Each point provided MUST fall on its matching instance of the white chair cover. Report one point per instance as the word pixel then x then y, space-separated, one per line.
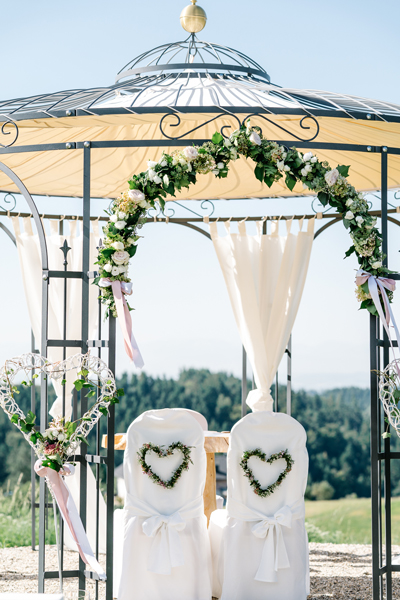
pixel 165 550
pixel 259 545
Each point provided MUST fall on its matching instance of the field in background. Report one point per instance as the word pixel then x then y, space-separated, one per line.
pixel 346 521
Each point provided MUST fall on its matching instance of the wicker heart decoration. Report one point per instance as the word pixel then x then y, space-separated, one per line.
pixel 162 453
pixel 255 484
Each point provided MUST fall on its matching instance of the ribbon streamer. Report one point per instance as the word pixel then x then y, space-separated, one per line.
pixel 120 289
pixel 376 284
pixel 70 514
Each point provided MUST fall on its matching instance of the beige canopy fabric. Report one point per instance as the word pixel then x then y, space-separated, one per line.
pixel 59 173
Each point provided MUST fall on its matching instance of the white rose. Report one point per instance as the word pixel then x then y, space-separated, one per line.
pixel 123 269
pixel 108 268
pixel 115 271
pixel 286 168
pixel 162 162
pixel 136 195
pixel 349 202
pixel 305 186
pixel 120 258
pixel 61 437
pixel 307 157
pixel 117 245
pixel 130 241
pixel 114 218
pixel 143 204
pixel 376 265
pixel 151 164
pixel 220 165
pixel 228 143
pixel 215 172
pixel 151 174
pixel 314 159
pixel 166 179
pixel 174 161
pixel 122 216
pixel 304 172
pixel 190 152
pixel 120 224
pixel 157 179
pixel 349 215
pixel 331 176
pixel 255 138
pixel 284 155
pixel 280 164
pixel 359 220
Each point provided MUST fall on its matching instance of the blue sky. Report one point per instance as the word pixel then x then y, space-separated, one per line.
pixel 182 316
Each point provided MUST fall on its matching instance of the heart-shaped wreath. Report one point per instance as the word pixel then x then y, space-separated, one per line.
pixel 255 484
pixel 162 453
pixel 61 439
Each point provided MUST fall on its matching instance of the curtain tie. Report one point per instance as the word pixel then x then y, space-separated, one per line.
pixel 120 290
pixel 274 555
pixel 376 284
pixel 259 400
pixel 166 551
pixel 69 513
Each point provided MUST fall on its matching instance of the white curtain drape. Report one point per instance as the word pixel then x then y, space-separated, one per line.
pixel 31 269
pixel 265 277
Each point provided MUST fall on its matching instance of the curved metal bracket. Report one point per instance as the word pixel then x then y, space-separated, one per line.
pixel 9 121
pixel 286 130
pixel 13 201
pixel 35 213
pixel 336 220
pixel 8 232
pixel 178 119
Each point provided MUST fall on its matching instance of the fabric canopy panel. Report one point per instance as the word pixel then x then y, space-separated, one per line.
pixel 265 277
pixel 59 173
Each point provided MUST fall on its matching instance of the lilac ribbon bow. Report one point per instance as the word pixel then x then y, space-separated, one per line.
pixel 376 285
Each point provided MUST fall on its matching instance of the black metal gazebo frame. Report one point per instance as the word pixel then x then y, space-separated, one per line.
pixel 381 454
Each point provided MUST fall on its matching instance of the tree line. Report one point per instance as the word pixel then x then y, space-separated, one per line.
pixel 336 422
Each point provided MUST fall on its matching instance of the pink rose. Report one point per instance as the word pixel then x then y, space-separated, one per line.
pixel 50 449
pixel 136 195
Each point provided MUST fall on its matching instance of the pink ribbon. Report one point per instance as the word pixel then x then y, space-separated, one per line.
pixel 69 513
pixel 120 289
pixel 376 285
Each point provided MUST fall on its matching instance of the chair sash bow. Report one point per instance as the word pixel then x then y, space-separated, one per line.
pixel 166 550
pixel 274 555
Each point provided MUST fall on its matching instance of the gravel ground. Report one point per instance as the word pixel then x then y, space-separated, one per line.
pixel 338 571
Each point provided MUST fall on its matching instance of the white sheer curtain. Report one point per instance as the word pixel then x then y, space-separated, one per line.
pixel 30 264
pixel 265 277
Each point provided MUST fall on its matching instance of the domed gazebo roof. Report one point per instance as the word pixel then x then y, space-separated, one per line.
pixel 182 93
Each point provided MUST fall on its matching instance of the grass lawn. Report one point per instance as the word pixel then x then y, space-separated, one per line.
pixel 346 521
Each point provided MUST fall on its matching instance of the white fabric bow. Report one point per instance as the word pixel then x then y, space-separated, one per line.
pixel 166 551
pixel 274 555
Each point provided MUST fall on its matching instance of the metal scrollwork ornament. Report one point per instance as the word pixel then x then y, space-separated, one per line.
pixel 9 123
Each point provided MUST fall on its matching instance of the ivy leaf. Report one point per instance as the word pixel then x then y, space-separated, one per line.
pixel 107 252
pixel 31 417
pixel 323 197
pixel 170 189
pixel 120 392
pixel 103 410
pixel 132 251
pixel 290 182
pixel 217 138
pixel 259 172
pixel 34 438
pixel 350 251
pixel 14 419
pixel 91 394
pixel 343 170
pixel 268 180
pixel 79 384
pixel 386 435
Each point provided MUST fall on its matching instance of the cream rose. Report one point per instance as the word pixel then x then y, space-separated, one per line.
pixel 376 265
pixel 349 215
pixel 151 174
pixel 113 218
pixel 220 166
pixel 331 177
pixel 151 164
pixel 280 164
pixel 308 156
pixel 157 179
pixel 121 216
pixel 255 138
pixel 190 152
pixel 121 258
pixel 136 195
pixel 120 224
pixel 108 267
pixel 359 220
pixel 166 180
pixel 115 271
pixel 118 245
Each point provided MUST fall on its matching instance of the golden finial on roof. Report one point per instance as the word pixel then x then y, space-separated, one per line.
pixel 193 18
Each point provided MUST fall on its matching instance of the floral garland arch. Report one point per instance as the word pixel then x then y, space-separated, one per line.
pixel 272 163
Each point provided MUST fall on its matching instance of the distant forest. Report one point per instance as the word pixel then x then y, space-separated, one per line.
pixel 336 422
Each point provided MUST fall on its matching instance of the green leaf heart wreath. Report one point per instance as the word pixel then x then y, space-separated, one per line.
pixel 162 453
pixel 255 484
pixel 273 162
